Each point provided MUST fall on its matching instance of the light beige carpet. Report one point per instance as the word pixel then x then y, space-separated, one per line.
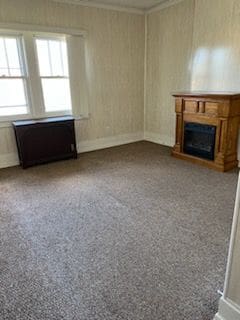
pixel 127 233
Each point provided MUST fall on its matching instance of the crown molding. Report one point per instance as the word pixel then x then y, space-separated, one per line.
pixel 165 4
pixel 86 3
pixel 102 6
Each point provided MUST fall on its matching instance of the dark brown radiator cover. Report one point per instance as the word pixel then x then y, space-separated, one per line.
pixel 45 140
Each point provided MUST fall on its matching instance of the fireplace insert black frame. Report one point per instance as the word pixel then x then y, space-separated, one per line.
pixel 199 140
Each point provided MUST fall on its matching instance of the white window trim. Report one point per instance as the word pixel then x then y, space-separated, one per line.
pixel 23 77
pixel 35 76
pixel 35 98
pixel 38 28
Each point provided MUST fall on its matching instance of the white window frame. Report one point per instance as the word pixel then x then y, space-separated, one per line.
pixel 34 92
pixel 41 104
pixel 24 77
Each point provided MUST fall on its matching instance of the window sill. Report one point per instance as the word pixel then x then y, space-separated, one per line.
pixel 8 124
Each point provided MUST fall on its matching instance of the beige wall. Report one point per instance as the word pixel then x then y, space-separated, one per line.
pixel 115 46
pixel 193 45
pixel 169 40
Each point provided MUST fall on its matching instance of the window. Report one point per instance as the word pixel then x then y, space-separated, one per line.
pixel 42 73
pixel 13 94
pixel 53 70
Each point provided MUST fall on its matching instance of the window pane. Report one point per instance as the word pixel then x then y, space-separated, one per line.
pixel 43 57
pixel 10 111
pixel 56 58
pixel 12 93
pixel 3 61
pixel 13 57
pixel 52 57
pixel 65 57
pixel 56 94
pixel 9 57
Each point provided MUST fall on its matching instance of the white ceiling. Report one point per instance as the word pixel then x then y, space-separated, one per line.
pixel 133 4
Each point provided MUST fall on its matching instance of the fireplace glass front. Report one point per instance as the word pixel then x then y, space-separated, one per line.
pixel 199 140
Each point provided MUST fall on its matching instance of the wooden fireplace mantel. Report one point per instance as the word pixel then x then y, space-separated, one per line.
pixel 219 109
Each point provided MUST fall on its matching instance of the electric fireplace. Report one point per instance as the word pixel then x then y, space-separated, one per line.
pixel 199 140
pixel 207 128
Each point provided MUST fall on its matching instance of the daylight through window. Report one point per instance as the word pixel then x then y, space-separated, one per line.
pixel 13 93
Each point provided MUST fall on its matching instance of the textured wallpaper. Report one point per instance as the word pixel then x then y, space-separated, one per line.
pixel 115 62
pixel 193 45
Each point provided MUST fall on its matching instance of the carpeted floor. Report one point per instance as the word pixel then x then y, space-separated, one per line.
pixel 127 233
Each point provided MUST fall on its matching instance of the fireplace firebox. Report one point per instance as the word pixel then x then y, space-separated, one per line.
pixel 199 140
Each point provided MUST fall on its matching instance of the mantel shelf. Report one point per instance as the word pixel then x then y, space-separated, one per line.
pixel 208 94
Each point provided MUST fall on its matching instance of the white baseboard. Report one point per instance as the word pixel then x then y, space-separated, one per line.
pixel 158 138
pixel 9 160
pixel 102 143
pixel 227 310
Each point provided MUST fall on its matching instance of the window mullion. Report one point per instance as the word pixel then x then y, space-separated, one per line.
pixel 34 80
